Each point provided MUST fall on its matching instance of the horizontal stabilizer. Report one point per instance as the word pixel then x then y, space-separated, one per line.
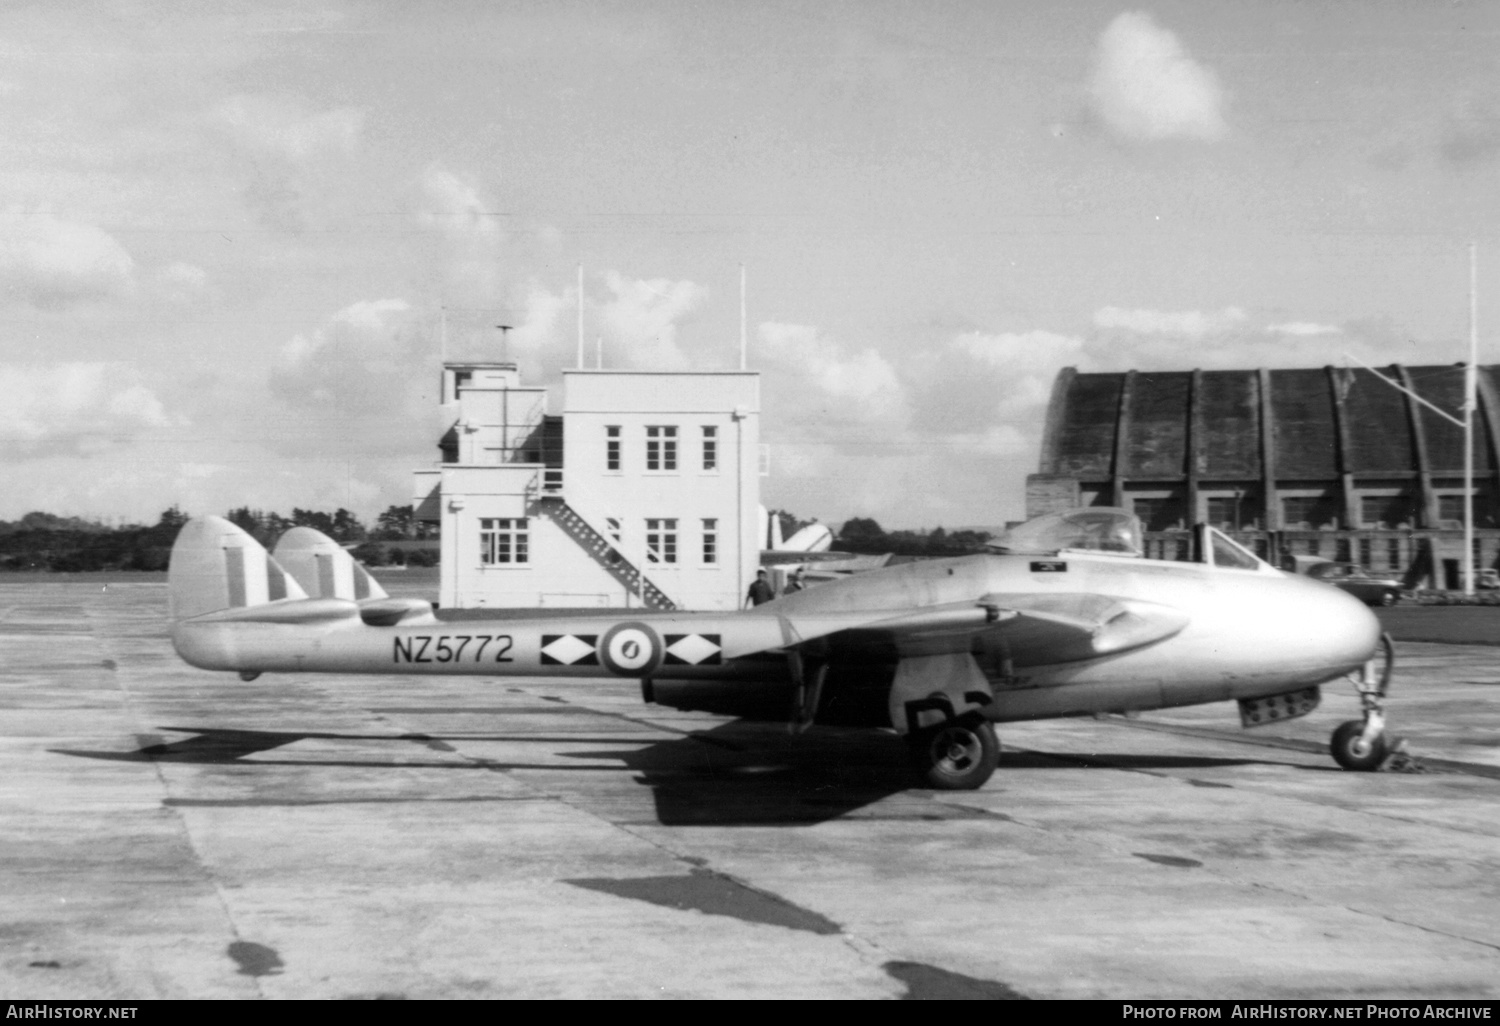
pixel 389 612
pixel 299 612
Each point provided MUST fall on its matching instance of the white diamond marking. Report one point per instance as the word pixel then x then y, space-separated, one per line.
pixel 569 649
pixel 694 648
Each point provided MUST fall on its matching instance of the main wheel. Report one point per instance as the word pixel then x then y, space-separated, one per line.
pixel 957 756
pixel 1390 598
pixel 1350 754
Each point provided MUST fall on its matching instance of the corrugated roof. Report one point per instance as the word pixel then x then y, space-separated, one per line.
pixel 1304 426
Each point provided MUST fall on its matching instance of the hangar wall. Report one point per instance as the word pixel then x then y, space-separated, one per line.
pixel 1324 462
pixel 644 492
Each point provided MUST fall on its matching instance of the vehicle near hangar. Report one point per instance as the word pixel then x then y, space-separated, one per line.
pixel 1370 588
pixel 1062 618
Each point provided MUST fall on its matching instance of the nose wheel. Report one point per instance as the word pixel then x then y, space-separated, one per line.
pixel 956 756
pixel 1361 745
pixel 1353 752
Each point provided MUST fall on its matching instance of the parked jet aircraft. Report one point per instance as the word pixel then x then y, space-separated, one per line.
pixel 1064 618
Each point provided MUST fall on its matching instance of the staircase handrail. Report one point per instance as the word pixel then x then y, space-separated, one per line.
pixel 570 494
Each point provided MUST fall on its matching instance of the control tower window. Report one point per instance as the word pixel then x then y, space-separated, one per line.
pixel 710 540
pixel 503 540
pixel 661 448
pixel 710 447
pixel 611 448
pixel 661 541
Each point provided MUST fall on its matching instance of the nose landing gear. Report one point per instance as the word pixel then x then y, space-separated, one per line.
pixel 1361 745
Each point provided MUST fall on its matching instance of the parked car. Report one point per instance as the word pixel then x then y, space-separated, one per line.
pixel 1370 588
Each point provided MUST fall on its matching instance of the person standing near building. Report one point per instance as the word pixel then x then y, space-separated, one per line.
pixel 761 590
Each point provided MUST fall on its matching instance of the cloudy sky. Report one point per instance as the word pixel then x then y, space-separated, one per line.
pixel 231 232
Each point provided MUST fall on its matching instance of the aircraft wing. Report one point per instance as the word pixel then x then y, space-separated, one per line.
pixel 935 646
pixel 778 557
pixel 1061 628
pixel 1034 629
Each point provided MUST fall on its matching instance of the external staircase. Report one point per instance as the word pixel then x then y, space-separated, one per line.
pixel 597 544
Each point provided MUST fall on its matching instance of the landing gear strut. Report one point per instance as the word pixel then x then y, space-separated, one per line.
pixel 959 755
pixel 1361 744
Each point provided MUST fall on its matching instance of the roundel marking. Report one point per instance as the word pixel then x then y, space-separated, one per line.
pixel 630 649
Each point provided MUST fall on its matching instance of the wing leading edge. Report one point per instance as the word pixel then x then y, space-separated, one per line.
pixel 1034 629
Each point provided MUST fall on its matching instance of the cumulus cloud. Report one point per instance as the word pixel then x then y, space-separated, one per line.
pixel 837 419
pixel 1302 329
pixel 1145 86
pixel 285 128
pixel 54 264
pixel 357 381
pixel 1189 324
pixel 287 142
pixel 358 340
pixel 75 408
pixel 353 403
pixel 1226 339
pixel 455 206
pixel 464 217
pixel 180 282
pixel 1014 373
pixel 542 340
pixel 957 421
pixel 638 322
pixel 641 320
pixel 821 385
pixel 1019 354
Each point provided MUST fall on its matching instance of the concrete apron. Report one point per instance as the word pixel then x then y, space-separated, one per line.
pixel 177 833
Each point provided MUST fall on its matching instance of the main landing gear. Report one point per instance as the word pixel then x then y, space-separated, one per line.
pixel 1362 744
pixel 959 755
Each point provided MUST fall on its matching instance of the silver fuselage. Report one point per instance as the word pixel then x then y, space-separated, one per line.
pixel 1248 634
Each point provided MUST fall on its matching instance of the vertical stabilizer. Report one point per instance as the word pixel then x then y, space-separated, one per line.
pixel 215 566
pixel 324 568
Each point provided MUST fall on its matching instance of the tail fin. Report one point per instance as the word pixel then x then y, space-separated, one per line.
pixel 326 571
pixel 217 566
pixel 323 568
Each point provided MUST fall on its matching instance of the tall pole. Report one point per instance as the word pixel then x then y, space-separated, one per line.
pixel 1464 424
pixel 505 394
pixel 1471 373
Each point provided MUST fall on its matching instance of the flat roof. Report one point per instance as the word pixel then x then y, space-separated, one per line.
pixel 661 373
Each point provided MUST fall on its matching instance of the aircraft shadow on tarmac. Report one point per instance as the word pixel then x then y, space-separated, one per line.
pixel 738 773
pixel 730 774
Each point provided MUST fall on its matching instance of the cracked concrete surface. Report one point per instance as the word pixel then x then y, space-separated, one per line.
pixel 176 833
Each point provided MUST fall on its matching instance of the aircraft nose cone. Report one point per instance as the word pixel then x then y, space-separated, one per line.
pixel 1333 625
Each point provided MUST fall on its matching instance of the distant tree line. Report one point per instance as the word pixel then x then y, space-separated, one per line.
pixel 864 535
pixel 43 541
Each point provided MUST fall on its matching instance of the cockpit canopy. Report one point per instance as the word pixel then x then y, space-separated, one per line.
pixel 1117 532
pixel 1091 529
